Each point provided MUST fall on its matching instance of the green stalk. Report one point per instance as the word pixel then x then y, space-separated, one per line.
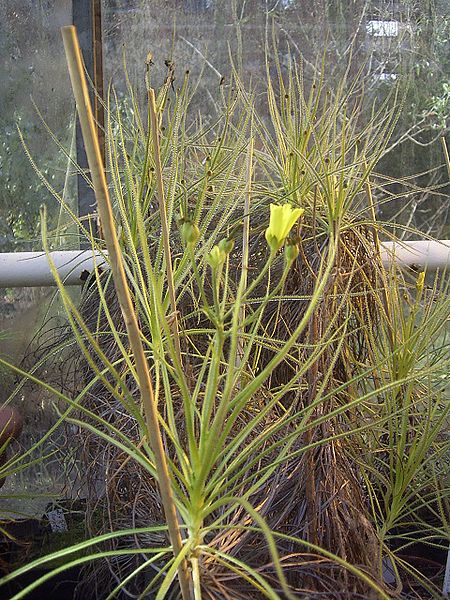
pixel 217 432
pixel 164 224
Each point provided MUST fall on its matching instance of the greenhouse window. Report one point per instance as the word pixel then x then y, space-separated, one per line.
pixel 256 357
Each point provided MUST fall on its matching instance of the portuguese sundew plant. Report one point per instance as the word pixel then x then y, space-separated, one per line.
pixel 260 403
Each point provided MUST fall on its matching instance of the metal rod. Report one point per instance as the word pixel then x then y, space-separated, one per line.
pixel 86 17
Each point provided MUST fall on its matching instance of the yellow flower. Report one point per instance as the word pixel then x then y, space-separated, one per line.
pixel 282 220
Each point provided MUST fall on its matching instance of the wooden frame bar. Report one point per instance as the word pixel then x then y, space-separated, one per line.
pixel 87 18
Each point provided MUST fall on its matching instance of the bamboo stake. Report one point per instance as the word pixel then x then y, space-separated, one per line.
pixel 89 130
pixel 447 157
pixel 164 224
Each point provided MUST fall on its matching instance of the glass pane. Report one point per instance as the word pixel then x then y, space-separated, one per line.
pixel 34 93
pixel 384 43
pixel 34 89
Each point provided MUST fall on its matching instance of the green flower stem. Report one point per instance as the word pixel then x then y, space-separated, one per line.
pixel 243 395
pixel 211 393
pixel 246 293
pixel 245 249
pixel 164 224
pixel 177 372
pixel 234 337
pixel 206 308
pixel 216 277
pixel 210 448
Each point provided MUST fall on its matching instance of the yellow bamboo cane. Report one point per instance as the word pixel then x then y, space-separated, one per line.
pixel 89 130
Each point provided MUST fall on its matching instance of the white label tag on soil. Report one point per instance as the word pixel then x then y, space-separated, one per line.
pixel 446 586
pixel 388 571
pixel 57 520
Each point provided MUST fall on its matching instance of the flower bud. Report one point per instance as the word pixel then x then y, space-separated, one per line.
pixel 189 232
pixel 216 258
pixel 420 281
pixel 226 245
pixel 291 250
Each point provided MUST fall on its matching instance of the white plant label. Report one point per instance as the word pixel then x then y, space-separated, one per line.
pixel 57 520
pixel 446 587
pixel 388 571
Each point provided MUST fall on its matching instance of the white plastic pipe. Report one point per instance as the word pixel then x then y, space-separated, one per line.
pixel 28 269
pixel 422 254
